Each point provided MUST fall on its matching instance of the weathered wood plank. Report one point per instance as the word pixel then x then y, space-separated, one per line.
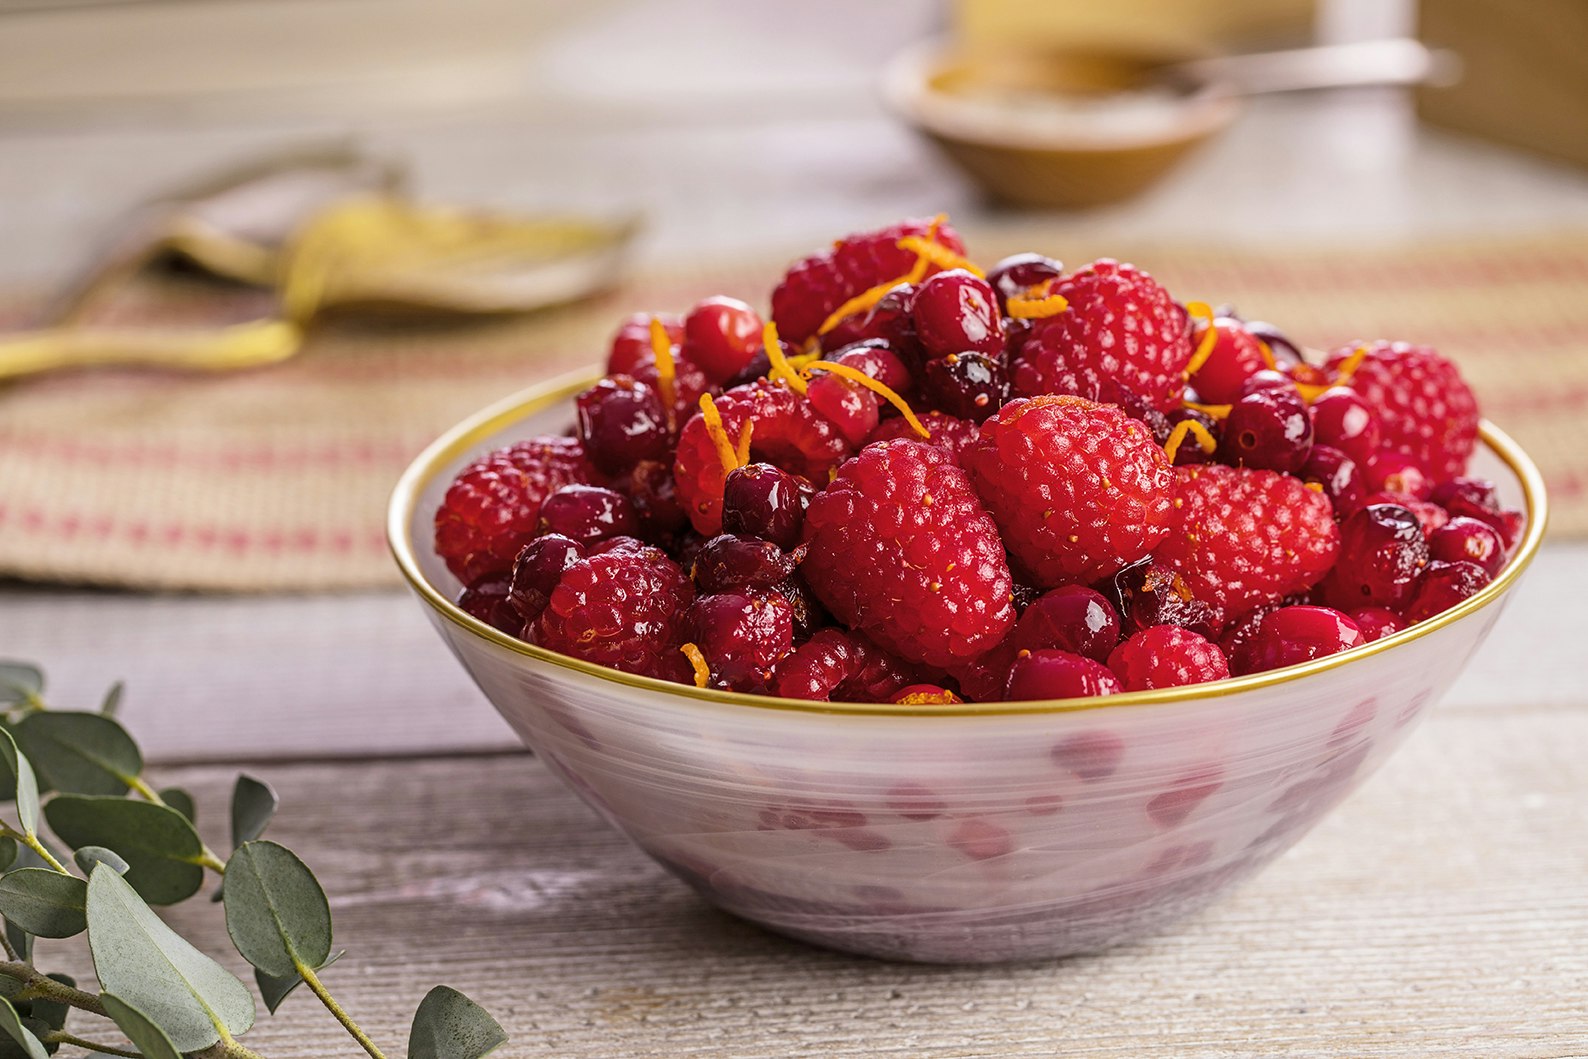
pixel 1441 911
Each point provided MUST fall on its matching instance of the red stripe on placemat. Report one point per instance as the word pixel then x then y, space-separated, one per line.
pixel 207 537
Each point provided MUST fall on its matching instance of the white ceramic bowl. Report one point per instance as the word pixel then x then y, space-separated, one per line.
pixel 980 833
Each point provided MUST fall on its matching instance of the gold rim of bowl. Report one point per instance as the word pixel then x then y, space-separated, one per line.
pixel 489 421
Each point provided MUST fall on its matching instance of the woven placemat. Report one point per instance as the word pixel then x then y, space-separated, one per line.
pixel 276 479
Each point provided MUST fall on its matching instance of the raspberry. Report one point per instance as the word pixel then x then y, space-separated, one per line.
pixel 1236 355
pixel 487 599
pixel 788 433
pixel 841 666
pixel 1078 488
pixel 1243 537
pixel 1058 675
pixel 817 285
pixel 1292 635
pixel 1424 408
pixel 623 608
pixel 741 637
pixel 1121 330
pixel 902 550
pixel 948 432
pixel 492 508
pixel 1167 656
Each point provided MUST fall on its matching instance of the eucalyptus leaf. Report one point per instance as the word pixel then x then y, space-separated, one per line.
pixel 153 969
pixel 11 1023
pixel 181 801
pixel 88 856
pixel 8 853
pixel 254 802
pixel 150 1040
pixel 276 989
pixel 448 1025
pixel 80 753
pixel 276 911
pixel 44 903
pixel 19 682
pixel 158 843
pixel 112 700
pixel 21 942
pixel 19 781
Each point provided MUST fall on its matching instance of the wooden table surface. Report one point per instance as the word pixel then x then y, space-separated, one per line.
pixel 1442 910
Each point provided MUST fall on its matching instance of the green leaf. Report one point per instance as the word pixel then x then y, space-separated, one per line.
pixel 276 989
pixel 276 911
pixel 158 843
pixel 253 804
pixel 448 1025
pixel 150 1040
pixel 80 753
pixel 153 969
pixel 8 853
pixel 181 801
pixel 88 856
pixel 19 682
pixel 21 941
pixel 44 903
pixel 112 701
pixel 11 1023
pixel 19 782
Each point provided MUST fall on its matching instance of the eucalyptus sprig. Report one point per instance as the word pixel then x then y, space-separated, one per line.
pixel 132 846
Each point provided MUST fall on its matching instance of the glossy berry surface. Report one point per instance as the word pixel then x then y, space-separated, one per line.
pixel 747 565
pixel 1149 593
pixel 966 385
pixel 1072 618
pixel 844 667
pixel 1466 539
pixel 1269 430
pixel 623 608
pixel 1382 553
pixel 1443 585
pixel 486 599
pixel 1292 635
pixel 620 421
pixel 1342 420
pixel 1016 275
pixel 1235 357
pixel 741 637
pixel 537 570
pixel 1377 623
pixel 847 405
pixel 1167 656
pixel 631 346
pixel 1058 675
pixel 721 336
pixel 955 312
pixel 588 514
pixel 760 500
pixel 1336 476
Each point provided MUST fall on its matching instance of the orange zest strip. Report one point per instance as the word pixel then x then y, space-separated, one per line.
pixel 924 259
pixel 1217 411
pixel 666 367
pixel 718 434
pixel 781 369
pixel 744 441
pixel 1037 308
pixel 698 662
pixel 1177 436
pixel 1268 355
pixel 855 375
pixel 1349 365
pixel 1210 337
pixel 929 249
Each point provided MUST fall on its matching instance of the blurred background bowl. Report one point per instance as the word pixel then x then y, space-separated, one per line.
pixel 991 832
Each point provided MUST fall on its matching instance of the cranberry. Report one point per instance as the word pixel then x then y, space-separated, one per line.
pixel 729 563
pixel 620 421
pixel 741 637
pixel 760 367
pixel 1443 585
pixel 486 598
pixel 1146 595
pixel 1394 472
pixel 1335 473
pixel 1476 498
pixel 1267 379
pixel 1283 349
pixel 1466 539
pixel 1430 516
pixel 805 609
pixel 652 489
pixel 1267 429
pixel 1072 618
pixel 1014 276
pixel 631 346
pixel 848 406
pixel 1382 551
pixel 957 313
pixel 1292 635
pixel 760 500
pixel 721 336
pixel 891 320
pixel 588 514
pixel 1342 420
pixel 1190 451
pixel 1377 623
pixel 1235 357
pixel 1058 675
pixel 967 385
pixel 538 569
pixel 878 360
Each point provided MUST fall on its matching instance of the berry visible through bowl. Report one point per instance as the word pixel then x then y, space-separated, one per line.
pixel 927 484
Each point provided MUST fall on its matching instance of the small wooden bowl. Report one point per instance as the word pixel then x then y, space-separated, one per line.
pixel 1056 129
